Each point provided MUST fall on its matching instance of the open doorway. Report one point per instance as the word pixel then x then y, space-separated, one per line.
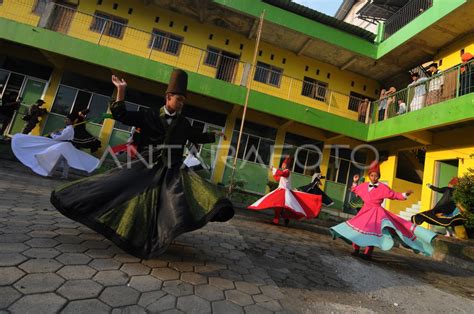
pixel 445 170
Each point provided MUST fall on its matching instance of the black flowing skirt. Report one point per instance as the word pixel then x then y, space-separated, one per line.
pixel 432 218
pixel 316 190
pixel 143 209
pixel 83 139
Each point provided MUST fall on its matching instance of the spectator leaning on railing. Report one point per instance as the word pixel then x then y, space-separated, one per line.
pixel 382 104
pixel 402 107
pixel 418 89
pixel 435 86
pixel 362 109
pixel 390 108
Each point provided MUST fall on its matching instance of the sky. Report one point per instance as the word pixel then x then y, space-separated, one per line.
pixel 328 7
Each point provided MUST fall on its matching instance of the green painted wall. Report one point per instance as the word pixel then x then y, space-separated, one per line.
pixel 303 25
pixel 440 9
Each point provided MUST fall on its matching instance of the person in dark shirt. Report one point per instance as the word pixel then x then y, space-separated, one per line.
pixel 10 104
pixel 32 117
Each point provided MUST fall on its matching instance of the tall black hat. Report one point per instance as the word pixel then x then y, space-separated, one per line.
pixel 178 82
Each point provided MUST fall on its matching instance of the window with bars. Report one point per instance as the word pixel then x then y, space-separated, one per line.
pixel 108 25
pixel 314 89
pixel 165 42
pixel 212 57
pixel 252 148
pixel 355 99
pixel 268 74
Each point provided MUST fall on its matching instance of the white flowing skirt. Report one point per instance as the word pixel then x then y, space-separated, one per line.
pixel 41 154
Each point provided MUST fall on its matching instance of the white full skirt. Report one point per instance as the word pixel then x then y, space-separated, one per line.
pixel 41 154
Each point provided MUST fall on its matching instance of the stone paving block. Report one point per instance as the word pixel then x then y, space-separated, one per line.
pixel 41 265
pixel 36 227
pixel 37 283
pixel 44 303
pixel 80 289
pixel 13 247
pixel 165 273
pixel 182 266
pixel 100 253
pixel 272 291
pixel 221 283
pixel 15 230
pixel 210 293
pixel 86 306
pixel 173 311
pixel 42 234
pixel 92 236
pixel 255 309
pixel 193 304
pixel 70 272
pixel 231 275
pixel 119 296
pixel 71 248
pixel 73 258
pixel 67 231
pixel 111 277
pixel 126 258
pixel 154 263
pixel 134 269
pixel 193 278
pixel 8 295
pixel 41 242
pixel 253 280
pixel 259 298
pixel 238 297
pixel 271 305
pixel 69 239
pixel 13 238
pixel 177 288
pixel 95 244
pixel 165 303
pixel 226 307
pixel 11 259
pixel 105 263
pixel 247 287
pixel 41 253
pixel 145 283
pixel 132 309
pixel 150 297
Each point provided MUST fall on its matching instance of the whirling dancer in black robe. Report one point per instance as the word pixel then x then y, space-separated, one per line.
pixel 314 188
pixel 142 208
pixel 82 137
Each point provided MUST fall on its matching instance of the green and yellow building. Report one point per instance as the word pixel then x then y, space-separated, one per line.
pixel 312 72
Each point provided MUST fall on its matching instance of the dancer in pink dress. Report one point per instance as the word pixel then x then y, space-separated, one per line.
pixel 376 226
pixel 293 204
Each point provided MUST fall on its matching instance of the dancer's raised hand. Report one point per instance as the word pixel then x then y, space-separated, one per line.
pixel 118 82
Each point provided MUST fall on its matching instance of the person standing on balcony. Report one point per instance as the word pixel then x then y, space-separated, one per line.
pixel 32 117
pixel 10 104
pixel 285 202
pixel 402 107
pixel 143 207
pixel 435 86
pixel 418 89
pixel 382 104
pixel 376 226
pixel 390 108
pixel 466 80
pixel 362 109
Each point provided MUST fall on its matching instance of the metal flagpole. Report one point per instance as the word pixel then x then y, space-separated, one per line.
pixel 249 82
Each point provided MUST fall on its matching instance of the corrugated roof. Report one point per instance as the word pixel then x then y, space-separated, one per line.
pixel 317 16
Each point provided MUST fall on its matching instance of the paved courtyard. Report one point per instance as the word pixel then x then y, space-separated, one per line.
pixel 49 263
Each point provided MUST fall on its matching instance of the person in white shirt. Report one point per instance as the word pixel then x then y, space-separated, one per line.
pixel 418 90
pixel 435 86
pixel 402 107
pixel 44 155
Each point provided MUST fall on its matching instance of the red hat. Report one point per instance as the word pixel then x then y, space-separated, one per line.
pixel 454 181
pixel 374 167
pixel 466 57
pixel 288 161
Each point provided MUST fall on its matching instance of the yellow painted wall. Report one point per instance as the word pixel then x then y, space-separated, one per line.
pixel 401 186
pixel 137 37
pixel 451 55
pixel 20 11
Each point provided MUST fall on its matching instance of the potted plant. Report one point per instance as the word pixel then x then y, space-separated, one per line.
pixel 464 198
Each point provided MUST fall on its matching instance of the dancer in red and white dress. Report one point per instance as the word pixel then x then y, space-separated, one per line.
pixel 293 204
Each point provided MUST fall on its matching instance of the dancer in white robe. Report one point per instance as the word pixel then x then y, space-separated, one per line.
pixel 43 155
